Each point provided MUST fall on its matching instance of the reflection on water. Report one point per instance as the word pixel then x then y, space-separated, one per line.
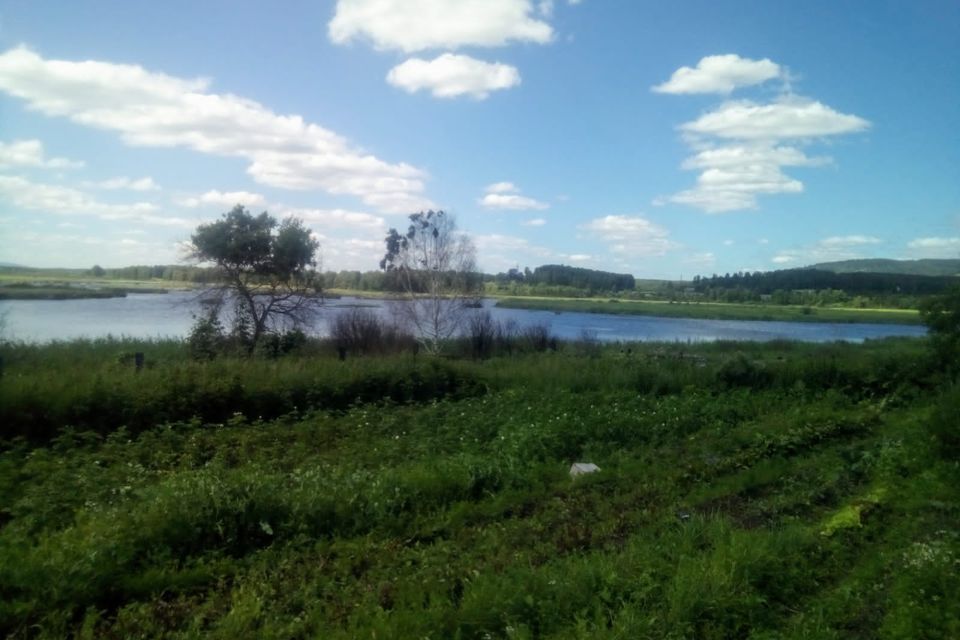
pixel 171 315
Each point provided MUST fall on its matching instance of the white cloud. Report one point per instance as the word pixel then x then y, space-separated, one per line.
pixel 29 153
pixel 55 199
pixel 633 235
pixel 534 222
pixel 122 182
pixel 502 187
pixel 788 117
pixel 579 257
pixel 501 252
pixel 738 155
pixel 736 187
pixel 151 109
pixel 349 253
pixel 933 243
pixel 719 74
pixel 506 195
pixel 328 220
pixel 705 259
pixel 934 247
pixel 849 241
pixel 417 25
pixel 829 249
pixel 451 75
pixel 511 201
pixel 741 147
pixel 226 199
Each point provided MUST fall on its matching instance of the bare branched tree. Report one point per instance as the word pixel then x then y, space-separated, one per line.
pixel 433 266
pixel 268 270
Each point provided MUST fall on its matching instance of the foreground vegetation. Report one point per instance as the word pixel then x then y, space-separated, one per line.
pixel 716 311
pixel 768 490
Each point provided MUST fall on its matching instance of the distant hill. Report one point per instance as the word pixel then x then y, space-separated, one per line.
pixel 929 267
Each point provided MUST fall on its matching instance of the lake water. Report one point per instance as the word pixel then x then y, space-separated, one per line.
pixel 171 315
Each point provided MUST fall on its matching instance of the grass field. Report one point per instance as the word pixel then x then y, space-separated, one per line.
pixel 715 310
pixel 771 490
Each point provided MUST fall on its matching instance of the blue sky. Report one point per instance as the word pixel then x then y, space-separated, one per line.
pixel 660 139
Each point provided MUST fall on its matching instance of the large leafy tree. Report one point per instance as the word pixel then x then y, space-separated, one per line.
pixel 268 269
pixel 433 266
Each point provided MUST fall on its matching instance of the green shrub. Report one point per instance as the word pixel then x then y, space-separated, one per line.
pixel 206 339
pixel 944 424
pixel 740 371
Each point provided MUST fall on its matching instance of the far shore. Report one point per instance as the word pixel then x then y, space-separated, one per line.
pixel 713 310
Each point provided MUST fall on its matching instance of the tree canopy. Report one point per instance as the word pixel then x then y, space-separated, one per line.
pixel 268 268
pixel 432 264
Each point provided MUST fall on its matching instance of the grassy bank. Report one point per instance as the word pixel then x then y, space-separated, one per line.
pixel 25 291
pixel 58 284
pixel 715 311
pixel 775 490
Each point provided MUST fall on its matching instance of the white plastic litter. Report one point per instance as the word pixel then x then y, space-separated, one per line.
pixel 580 468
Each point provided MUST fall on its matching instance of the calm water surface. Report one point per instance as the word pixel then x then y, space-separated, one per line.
pixel 171 315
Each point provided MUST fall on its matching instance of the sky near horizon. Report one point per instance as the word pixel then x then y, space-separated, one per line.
pixel 659 139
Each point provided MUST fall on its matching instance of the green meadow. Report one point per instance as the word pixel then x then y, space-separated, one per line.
pixel 776 490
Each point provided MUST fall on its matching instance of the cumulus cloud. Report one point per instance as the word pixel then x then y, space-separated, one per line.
pixel 719 74
pixel 534 222
pixel 631 235
pixel 741 147
pixel 788 117
pixel 506 195
pixel 56 199
pixel 736 187
pixel 224 199
pixel 339 219
pixel 152 109
pixel 123 182
pixel 418 25
pixel 29 153
pixel 739 155
pixel 451 75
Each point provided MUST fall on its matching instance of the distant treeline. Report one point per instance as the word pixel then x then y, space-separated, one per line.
pixel 552 278
pixel 174 273
pixel 814 286
pixel 558 275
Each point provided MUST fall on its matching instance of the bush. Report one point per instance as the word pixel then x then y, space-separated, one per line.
pixel 945 424
pixel 740 371
pixel 362 332
pixel 941 314
pixel 206 337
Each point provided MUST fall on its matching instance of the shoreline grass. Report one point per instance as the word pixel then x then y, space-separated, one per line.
pixel 714 310
pixel 57 291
